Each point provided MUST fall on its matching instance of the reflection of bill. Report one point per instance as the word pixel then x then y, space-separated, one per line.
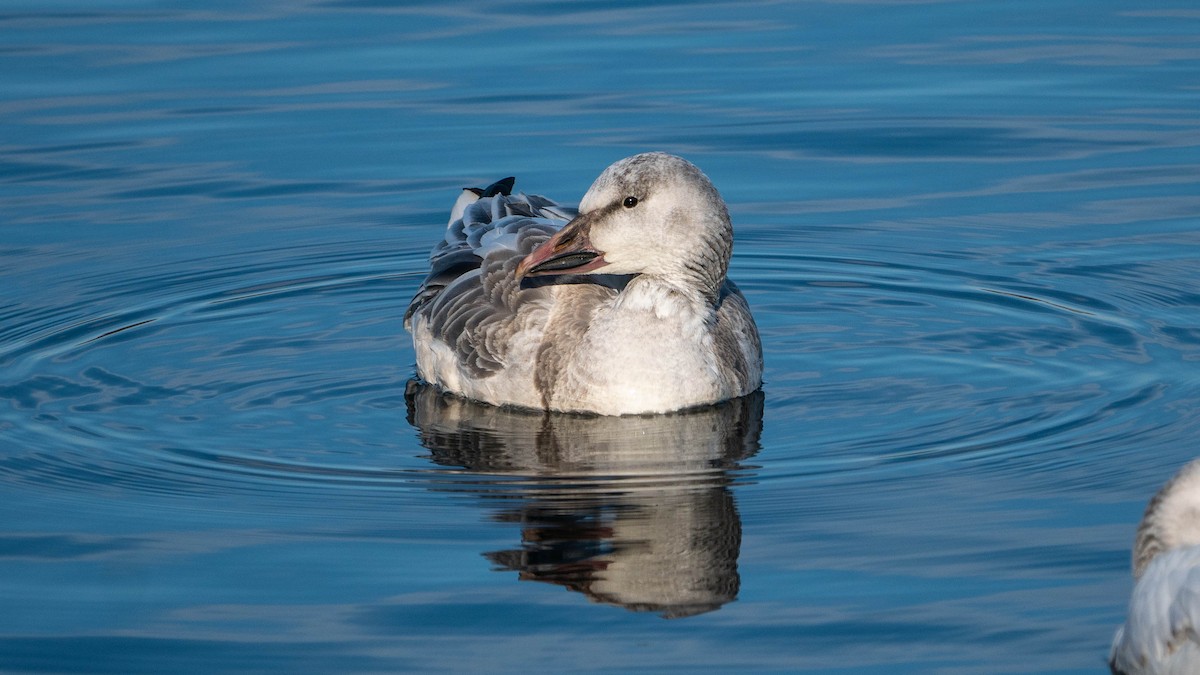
pixel 631 511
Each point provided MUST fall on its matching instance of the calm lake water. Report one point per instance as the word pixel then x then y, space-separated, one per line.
pixel 970 233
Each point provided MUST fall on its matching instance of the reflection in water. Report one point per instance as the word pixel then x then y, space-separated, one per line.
pixel 630 511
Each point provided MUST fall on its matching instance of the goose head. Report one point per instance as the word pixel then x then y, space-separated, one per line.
pixel 651 214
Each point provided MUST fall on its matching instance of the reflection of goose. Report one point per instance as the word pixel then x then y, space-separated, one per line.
pixel 1162 631
pixel 636 317
pixel 633 511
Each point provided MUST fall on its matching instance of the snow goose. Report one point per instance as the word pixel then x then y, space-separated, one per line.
pixel 1160 634
pixel 625 309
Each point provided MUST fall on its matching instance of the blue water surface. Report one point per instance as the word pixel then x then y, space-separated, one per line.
pixel 970 234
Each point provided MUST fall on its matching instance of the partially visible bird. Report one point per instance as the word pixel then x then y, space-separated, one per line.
pixel 1161 634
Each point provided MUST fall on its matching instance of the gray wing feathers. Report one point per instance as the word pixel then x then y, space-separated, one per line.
pixel 737 341
pixel 471 299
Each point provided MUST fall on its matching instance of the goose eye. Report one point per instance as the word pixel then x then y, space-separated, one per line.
pixel 630 202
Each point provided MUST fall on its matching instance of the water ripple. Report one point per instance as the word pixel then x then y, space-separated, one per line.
pixel 884 364
pixel 888 358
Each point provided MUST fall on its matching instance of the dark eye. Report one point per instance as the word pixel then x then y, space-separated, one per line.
pixel 630 202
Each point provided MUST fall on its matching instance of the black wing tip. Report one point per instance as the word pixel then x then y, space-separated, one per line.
pixel 503 186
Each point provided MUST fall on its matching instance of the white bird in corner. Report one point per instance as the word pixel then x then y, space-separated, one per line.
pixel 1162 631
pixel 623 310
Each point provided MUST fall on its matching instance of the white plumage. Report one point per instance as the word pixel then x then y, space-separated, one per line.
pixel 1160 635
pixel 625 309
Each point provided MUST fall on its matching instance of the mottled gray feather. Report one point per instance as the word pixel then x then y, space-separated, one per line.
pixel 471 293
pixel 736 336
